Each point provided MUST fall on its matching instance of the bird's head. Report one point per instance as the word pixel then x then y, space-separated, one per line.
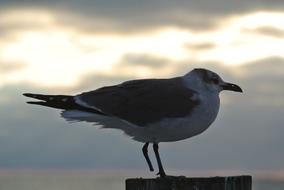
pixel 212 81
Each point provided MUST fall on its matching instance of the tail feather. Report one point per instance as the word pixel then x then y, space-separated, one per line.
pixel 60 102
pixel 48 97
pixel 55 101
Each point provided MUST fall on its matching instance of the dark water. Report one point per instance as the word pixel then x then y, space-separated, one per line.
pixel 85 181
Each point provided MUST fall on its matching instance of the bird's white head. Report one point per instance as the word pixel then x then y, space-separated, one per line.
pixel 209 81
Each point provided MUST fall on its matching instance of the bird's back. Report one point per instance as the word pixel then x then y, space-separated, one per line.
pixel 142 101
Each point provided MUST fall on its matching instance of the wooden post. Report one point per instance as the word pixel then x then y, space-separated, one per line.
pixel 183 183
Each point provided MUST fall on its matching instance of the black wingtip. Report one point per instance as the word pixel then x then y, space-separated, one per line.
pixel 28 95
pixel 37 96
pixel 30 102
pixel 38 103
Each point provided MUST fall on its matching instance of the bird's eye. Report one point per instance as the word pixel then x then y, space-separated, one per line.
pixel 215 80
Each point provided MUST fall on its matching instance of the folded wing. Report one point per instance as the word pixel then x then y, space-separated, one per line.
pixel 142 101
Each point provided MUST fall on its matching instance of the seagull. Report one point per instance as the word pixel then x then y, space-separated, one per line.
pixel 148 110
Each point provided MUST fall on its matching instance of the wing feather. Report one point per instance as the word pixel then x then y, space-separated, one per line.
pixel 142 101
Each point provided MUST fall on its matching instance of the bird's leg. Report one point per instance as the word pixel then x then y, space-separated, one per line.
pixel 161 169
pixel 145 153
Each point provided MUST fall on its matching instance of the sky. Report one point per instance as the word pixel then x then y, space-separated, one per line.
pixel 66 47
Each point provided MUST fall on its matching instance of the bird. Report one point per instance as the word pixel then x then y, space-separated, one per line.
pixel 151 110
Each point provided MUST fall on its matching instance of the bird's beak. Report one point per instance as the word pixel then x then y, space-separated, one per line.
pixel 232 87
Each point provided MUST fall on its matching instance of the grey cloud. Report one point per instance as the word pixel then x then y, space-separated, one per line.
pixel 155 63
pixel 199 46
pixel 96 80
pixel 135 16
pixel 264 80
pixel 268 31
pixel 132 62
pixel 23 25
pixel 187 65
pixel 265 68
pixel 9 30
pixel 151 61
pixel 6 68
pixel 129 22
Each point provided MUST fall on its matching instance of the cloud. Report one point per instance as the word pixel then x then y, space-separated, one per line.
pixel 6 68
pixel 13 22
pixel 200 46
pixel 136 60
pixel 265 68
pixel 267 31
pixel 264 81
pixel 60 46
pixel 136 16
pixel 96 80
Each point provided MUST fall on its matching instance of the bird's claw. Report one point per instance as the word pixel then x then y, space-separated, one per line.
pixel 161 174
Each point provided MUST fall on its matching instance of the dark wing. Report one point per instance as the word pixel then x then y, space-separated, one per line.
pixel 143 101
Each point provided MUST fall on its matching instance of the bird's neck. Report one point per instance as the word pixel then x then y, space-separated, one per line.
pixel 192 82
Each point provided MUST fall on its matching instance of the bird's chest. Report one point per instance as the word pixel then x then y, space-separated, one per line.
pixel 207 111
pixel 195 123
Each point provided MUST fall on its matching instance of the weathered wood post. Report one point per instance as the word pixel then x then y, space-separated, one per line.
pixel 183 183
